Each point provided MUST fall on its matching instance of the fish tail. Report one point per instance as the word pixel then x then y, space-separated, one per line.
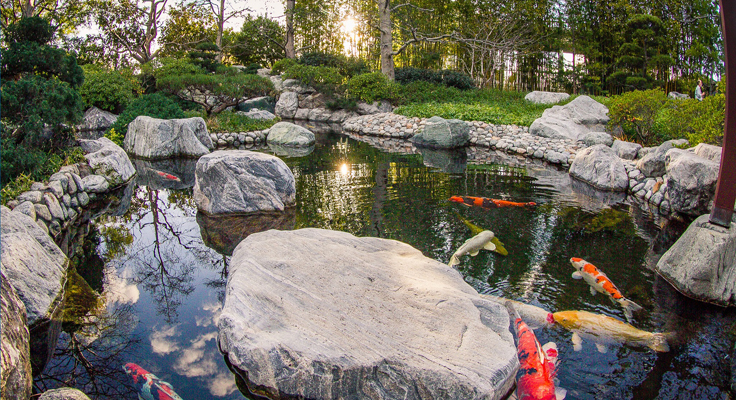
pixel 629 307
pixel 454 261
pixel 658 342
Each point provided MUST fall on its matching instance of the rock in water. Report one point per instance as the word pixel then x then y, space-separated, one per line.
pixel 443 133
pixel 288 134
pixel 155 139
pixel 600 167
pixel 323 314
pixel 241 181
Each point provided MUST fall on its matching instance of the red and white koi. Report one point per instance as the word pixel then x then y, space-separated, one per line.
pixel 537 364
pixel 485 202
pixel 149 386
pixel 599 282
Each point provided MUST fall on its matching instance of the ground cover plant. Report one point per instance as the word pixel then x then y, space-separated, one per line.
pixel 229 121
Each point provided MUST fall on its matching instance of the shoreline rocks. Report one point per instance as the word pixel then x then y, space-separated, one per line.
pixel 288 134
pixel 153 138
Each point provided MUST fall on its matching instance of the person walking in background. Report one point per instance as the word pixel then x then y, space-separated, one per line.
pixel 699 91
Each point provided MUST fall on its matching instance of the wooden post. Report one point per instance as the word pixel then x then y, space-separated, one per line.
pixel 726 186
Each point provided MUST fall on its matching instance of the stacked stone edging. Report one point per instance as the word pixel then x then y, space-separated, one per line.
pixel 239 139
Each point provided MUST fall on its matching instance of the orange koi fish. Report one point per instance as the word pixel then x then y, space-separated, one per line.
pixel 599 282
pixel 535 379
pixel 167 175
pixel 487 203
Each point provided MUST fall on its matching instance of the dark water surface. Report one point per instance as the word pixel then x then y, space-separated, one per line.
pixel 149 284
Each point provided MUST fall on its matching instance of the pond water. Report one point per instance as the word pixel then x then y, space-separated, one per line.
pixel 149 283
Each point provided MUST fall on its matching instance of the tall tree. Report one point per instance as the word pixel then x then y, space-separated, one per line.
pixel 260 40
pixel 224 11
pixel 130 28
pixel 66 15
pixel 188 25
pixel 289 48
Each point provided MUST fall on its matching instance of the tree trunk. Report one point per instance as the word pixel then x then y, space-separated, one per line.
pixel 384 25
pixel 289 47
pixel 220 29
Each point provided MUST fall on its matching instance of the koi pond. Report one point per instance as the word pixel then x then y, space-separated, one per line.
pixel 149 280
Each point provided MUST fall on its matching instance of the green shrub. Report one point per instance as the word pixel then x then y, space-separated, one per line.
pixel 342 103
pixel 115 136
pixel 154 105
pixel 371 87
pixel 426 92
pixel 325 79
pixel 282 65
pixel 347 66
pixel 228 121
pixel 223 90
pixel 108 90
pixel 635 113
pixel 252 68
pixel 22 166
pixel 708 123
pixel 165 66
pixel 465 112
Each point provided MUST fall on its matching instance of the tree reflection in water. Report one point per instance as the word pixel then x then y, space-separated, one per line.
pixel 90 353
pixel 167 248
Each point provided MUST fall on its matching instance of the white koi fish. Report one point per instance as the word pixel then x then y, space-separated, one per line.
pixel 604 330
pixel 481 241
pixel 534 316
pixel 599 282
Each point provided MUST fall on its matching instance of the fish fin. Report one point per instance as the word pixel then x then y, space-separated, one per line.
pixel 593 291
pixel 454 261
pixel 499 247
pixel 577 342
pixel 490 246
pixel 659 343
pixel 629 305
pixel 577 275
pixel 474 253
pixel 560 393
pixel 601 348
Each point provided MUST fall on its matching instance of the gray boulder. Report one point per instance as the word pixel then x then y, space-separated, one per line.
pixel 313 101
pixel 287 105
pixel 278 83
pixel 15 375
pixel 600 167
pixel 677 96
pixel 626 150
pixel 691 181
pixel 376 107
pixel 322 314
pixel 96 120
pixel 255 113
pixel 63 394
pixel 240 181
pixel 319 114
pixel 708 151
pixel 572 120
pixel 109 160
pixel 702 263
pixel 288 134
pixel 154 139
pixel 34 265
pixel 652 164
pixel 540 97
pixel 594 138
pixel 440 133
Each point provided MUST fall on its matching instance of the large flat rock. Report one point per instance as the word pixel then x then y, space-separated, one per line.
pixel 571 121
pixel 155 139
pixel 15 375
pixel 323 314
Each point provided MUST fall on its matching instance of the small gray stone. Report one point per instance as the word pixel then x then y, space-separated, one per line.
pixel 95 183
pixel 54 228
pixel 71 186
pixel 83 198
pixel 53 204
pixel 41 224
pixel 33 196
pixel 78 182
pixel 66 200
pixel 43 212
pixel 594 138
pixel 56 188
pixel 27 208
pixel 38 186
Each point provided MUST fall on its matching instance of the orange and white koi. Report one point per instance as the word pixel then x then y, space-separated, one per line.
pixel 537 364
pixel 149 386
pixel 599 282
pixel 485 202
pixel 604 330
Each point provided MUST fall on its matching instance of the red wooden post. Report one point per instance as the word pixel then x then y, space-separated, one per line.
pixel 726 187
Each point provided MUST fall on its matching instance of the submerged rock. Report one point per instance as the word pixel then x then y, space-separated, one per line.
pixel 323 314
pixel 702 263
pixel 572 120
pixel 15 375
pixel 153 138
pixel 241 181
pixel 63 394
pixel 600 167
